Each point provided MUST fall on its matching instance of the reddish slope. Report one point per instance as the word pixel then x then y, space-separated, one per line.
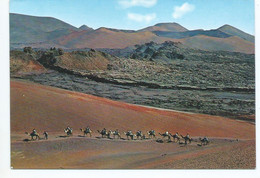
pixel 105 38
pixel 52 109
pixel 21 63
pixel 233 44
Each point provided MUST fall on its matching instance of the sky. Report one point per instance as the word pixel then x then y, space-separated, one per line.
pixel 137 14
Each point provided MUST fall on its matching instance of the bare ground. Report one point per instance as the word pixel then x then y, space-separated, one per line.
pixel 52 109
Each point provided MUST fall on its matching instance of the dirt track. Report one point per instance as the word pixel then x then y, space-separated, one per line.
pixel 52 109
pixel 92 153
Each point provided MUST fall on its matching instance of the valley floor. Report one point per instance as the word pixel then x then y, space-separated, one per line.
pixel 102 153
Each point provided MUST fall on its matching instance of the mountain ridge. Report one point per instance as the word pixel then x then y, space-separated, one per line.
pixel 44 32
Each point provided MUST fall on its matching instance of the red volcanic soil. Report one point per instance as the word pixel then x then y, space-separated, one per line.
pixel 52 109
pixel 22 63
pixel 232 142
pixel 105 38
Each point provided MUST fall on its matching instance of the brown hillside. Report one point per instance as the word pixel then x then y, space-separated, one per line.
pixel 21 62
pixel 233 44
pixel 92 60
pixel 105 38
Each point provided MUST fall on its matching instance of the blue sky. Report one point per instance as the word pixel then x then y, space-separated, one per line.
pixel 137 14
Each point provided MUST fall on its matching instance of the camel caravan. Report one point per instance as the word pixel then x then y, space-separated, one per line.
pixel 139 135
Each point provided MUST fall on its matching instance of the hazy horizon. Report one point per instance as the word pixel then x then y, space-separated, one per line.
pixel 138 14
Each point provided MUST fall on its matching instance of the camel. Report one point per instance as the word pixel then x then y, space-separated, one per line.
pixel 129 134
pixel 68 131
pixel 86 131
pixel 104 133
pixel 115 133
pixel 139 134
pixel 186 138
pixel 166 134
pixel 176 136
pixel 151 134
pixel 204 141
pixel 34 135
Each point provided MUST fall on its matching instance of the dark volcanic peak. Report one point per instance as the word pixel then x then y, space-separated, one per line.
pixel 46 24
pixel 236 32
pixel 31 29
pixel 85 27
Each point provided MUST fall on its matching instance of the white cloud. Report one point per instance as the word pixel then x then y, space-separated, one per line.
pixel 179 11
pixel 141 18
pixel 131 3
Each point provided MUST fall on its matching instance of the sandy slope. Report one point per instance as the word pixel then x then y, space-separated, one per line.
pixel 91 153
pixel 52 109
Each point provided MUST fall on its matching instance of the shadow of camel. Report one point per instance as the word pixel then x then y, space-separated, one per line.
pixel 81 136
pixel 63 136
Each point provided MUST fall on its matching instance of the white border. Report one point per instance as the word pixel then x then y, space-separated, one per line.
pixel 5 170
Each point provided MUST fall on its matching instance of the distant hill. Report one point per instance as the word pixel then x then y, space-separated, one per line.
pixel 85 28
pixel 236 32
pixel 31 29
pixel 232 44
pixel 106 38
pixel 46 32
pixel 172 27
pixel 185 34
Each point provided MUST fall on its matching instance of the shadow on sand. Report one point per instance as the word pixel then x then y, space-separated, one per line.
pixel 63 136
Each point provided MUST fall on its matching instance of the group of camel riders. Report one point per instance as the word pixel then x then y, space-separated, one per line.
pixel 139 134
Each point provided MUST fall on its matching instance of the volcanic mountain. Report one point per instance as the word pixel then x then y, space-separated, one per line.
pixel 170 27
pixel 85 28
pixel 236 32
pixel 46 32
pixel 106 38
pixel 31 29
